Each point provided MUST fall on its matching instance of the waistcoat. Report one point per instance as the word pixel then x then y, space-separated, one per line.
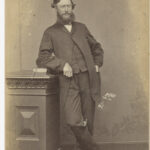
pixel 78 62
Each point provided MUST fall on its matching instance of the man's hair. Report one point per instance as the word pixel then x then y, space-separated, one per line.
pixel 57 1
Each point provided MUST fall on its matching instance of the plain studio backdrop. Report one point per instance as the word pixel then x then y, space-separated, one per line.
pixel 121 26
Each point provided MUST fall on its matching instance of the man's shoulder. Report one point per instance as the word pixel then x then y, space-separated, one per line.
pixel 50 28
pixel 80 24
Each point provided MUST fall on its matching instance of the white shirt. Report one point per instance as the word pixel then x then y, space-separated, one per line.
pixel 68 27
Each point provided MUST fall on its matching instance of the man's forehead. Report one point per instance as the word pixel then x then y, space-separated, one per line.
pixel 62 2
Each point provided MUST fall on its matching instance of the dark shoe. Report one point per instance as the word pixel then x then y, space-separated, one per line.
pixel 84 138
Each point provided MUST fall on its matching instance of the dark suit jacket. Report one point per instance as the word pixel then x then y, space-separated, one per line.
pixel 56 49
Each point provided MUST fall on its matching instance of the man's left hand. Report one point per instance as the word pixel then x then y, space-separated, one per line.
pixel 97 68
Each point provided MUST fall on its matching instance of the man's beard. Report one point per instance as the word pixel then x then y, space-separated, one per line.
pixel 63 20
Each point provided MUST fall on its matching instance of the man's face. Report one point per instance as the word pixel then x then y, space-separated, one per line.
pixel 64 9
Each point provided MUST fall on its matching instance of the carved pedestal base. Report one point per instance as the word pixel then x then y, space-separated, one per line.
pixel 32 113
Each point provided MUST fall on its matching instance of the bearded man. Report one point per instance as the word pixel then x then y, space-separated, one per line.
pixel 69 50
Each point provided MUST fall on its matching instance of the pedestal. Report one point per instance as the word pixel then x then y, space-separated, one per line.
pixel 32 111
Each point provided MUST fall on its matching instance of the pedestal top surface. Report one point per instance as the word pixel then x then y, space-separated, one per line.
pixel 29 74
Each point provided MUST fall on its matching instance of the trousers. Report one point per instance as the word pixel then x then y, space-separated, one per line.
pixel 79 110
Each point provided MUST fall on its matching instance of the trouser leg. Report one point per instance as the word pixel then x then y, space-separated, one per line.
pixel 72 107
pixel 87 103
pixel 84 134
pixel 80 107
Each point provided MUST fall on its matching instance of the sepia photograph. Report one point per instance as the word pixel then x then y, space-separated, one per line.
pixel 76 75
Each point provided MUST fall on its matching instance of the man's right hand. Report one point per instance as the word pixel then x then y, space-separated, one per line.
pixel 67 70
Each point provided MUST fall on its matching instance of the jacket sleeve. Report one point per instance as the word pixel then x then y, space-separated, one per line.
pixel 96 49
pixel 46 57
